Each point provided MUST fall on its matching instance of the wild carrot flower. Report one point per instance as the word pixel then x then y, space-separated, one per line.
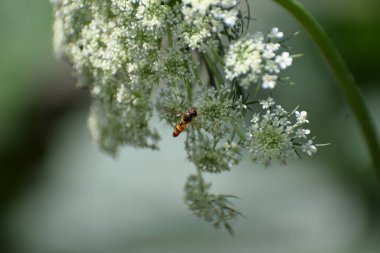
pixel 277 135
pixel 182 54
pixel 257 60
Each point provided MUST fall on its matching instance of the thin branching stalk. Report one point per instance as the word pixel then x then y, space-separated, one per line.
pixel 346 81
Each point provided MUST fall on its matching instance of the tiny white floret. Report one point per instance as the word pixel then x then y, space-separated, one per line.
pixel 284 60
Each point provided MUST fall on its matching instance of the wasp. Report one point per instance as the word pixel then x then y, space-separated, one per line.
pixel 186 118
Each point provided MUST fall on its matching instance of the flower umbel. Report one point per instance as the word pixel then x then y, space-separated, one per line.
pixel 256 59
pixel 277 135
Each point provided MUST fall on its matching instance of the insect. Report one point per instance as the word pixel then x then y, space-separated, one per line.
pixel 186 118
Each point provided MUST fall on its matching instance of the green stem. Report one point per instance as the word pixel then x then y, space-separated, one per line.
pixel 197 77
pixel 214 70
pixel 170 38
pixel 347 83
pixel 189 91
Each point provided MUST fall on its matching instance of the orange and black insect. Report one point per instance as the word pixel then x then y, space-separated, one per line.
pixel 186 118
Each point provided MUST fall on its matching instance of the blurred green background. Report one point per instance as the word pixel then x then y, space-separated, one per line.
pixel 59 193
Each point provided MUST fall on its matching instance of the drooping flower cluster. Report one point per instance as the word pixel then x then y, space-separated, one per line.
pixel 277 135
pixel 215 209
pixel 128 51
pixel 256 59
pixel 111 45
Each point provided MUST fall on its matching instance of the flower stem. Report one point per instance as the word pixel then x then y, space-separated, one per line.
pixel 346 81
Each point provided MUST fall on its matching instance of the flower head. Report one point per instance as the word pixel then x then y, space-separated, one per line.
pixel 276 135
pixel 301 117
pixel 266 104
pixel 204 20
pixel 253 59
pixel 309 148
pixel 284 60
pixel 275 33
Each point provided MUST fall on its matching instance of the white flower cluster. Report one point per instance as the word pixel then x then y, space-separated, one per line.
pixel 257 59
pixel 126 50
pixel 204 20
pixel 114 49
pixel 278 134
pixel 151 14
pixel 224 10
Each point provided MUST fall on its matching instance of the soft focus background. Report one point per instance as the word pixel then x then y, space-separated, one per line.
pixel 59 193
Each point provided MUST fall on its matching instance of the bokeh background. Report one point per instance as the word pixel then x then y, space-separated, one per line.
pixel 59 193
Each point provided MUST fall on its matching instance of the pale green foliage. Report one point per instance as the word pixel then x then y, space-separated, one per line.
pixel 171 103
pixel 217 111
pixel 173 66
pixel 216 209
pixel 126 50
pixel 208 156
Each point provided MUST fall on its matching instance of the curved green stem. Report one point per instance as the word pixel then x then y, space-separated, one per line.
pixel 347 83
